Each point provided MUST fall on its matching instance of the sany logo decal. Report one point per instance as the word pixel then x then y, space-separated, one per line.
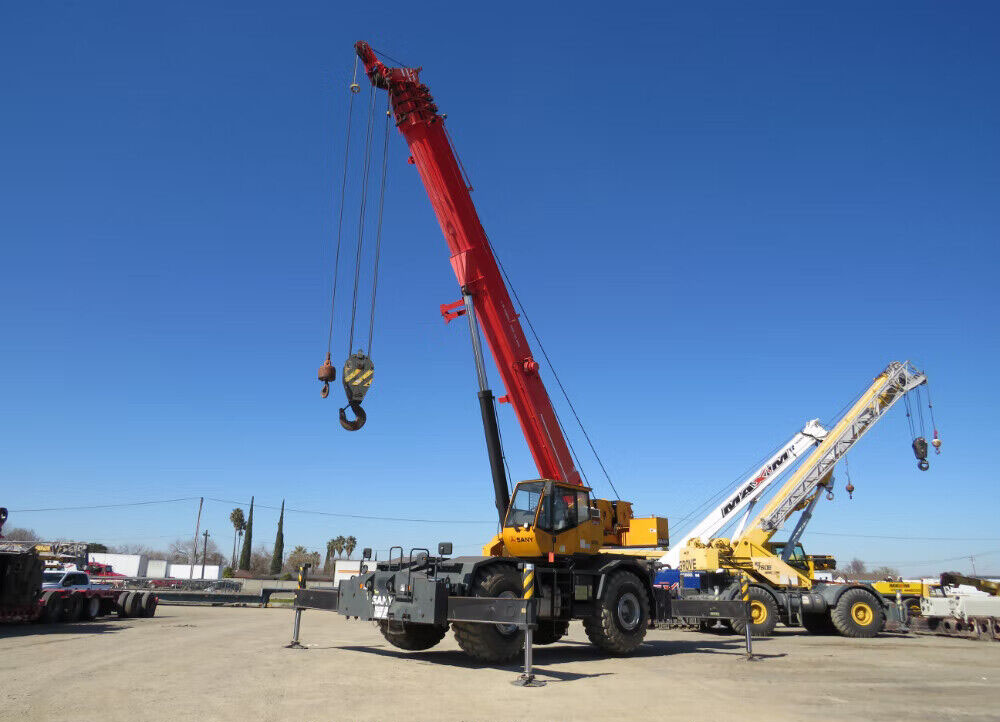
pixel 751 486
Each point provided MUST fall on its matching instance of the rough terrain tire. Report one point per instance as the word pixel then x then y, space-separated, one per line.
pixel 912 605
pixel 413 637
pixel 858 614
pixel 549 632
pixel 818 623
pixel 91 608
pixel 620 625
pixel 764 614
pixel 492 642
pixel 52 608
pixel 74 608
pixel 122 605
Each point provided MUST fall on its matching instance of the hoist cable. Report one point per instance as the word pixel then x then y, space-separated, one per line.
pixel 552 368
pixel 361 216
pixel 909 415
pixel 378 231
pixel 930 406
pixel 461 165
pixel 343 190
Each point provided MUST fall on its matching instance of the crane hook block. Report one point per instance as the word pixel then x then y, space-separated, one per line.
pixel 357 379
pixel 920 451
pixel 327 373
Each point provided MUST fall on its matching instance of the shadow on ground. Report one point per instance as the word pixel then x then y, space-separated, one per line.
pixel 565 652
pixel 12 631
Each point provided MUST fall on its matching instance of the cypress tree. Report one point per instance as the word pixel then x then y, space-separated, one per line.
pixel 247 541
pixel 279 543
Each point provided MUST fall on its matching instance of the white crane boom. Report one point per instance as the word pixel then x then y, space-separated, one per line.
pixel 749 490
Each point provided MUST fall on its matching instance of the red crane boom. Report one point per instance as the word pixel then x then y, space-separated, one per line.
pixel 473 262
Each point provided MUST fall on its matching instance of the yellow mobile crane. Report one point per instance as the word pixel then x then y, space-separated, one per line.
pixel 783 583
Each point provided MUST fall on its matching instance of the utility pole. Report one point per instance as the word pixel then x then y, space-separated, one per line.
pixel 204 554
pixel 973 560
pixel 194 552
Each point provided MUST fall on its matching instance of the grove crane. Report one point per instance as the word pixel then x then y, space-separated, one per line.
pixel 783 576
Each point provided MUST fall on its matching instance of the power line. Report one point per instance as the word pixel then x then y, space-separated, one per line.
pixel 908 538
pixel 354 516
pixel 105 506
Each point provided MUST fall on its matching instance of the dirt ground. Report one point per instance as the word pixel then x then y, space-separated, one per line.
pixel 212 663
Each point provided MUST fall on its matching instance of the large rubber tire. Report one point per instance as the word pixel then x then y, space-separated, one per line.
pixel 620 625
pixel 74 608
pixel 135 604
pixel 763 614
pixel 549 632
pixel 91 608
pixel 818 623
pixel 149 602
pixel 122 605
pixel 912 605
pixel 52 608
pixel 492 642
pixel 858 614
pixel 412 637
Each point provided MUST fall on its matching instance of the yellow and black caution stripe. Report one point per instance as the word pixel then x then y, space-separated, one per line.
pixel 745 588
pixel 529 583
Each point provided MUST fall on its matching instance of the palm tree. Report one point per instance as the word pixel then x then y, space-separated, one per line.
pixel 338 546
pixel 350 544
pixel 330 547
pixel 239 523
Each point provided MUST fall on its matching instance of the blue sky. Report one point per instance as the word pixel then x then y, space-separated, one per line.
pixel 723 220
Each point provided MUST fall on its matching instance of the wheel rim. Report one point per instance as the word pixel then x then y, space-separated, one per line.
pixel 507 630
pixel 629 611
pixel 758 612
pixel 862 614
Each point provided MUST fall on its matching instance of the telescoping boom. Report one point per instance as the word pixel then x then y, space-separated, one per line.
pixel 744 496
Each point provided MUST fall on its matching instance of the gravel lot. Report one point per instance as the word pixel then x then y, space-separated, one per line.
pixel 212 663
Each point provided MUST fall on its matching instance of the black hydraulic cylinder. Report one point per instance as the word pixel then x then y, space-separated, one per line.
pixel 495 451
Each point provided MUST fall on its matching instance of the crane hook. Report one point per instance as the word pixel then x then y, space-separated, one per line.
pixel 357 379
pixel 920 451
pixel 360 417
pixel 326 374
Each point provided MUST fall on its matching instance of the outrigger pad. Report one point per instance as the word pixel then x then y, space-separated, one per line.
pixel 357 377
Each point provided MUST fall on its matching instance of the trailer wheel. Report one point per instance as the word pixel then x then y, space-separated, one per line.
pixel 412 637
pixel 763 614
pixel 620 625
pixel 122 604
pixel 74 608
pixel 91 608
pixel 149 601
pixel 135 604
pixel 492 642
pixel 858 614
pixel 52 607
pixel 818 623
pixel 549 632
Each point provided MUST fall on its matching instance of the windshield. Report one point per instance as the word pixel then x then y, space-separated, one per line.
pixel 524 504
pixel 51 577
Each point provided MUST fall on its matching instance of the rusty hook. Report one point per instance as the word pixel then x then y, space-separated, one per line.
pixel 360 417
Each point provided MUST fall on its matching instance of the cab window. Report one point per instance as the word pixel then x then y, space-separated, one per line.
pixel 525 503
pixel 569 509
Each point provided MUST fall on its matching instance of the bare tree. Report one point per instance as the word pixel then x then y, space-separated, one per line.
pixel 21 534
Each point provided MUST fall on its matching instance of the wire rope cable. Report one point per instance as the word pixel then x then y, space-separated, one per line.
pixel 378 231
pixel 340 217
pixel 361 216
pixel 548 361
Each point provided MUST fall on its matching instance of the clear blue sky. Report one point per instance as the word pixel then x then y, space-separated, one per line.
pixel 723 221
